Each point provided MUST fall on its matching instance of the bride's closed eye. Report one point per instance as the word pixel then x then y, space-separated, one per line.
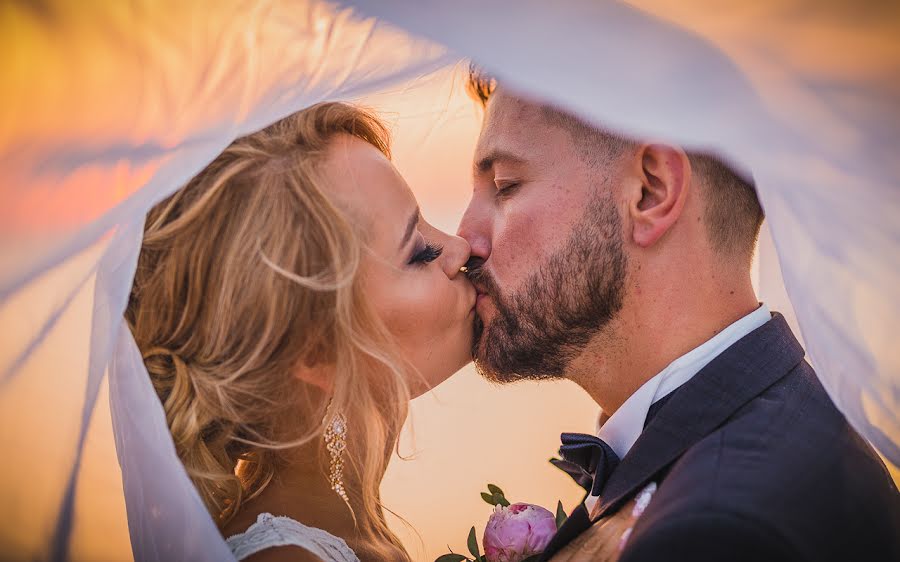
pixel 426 254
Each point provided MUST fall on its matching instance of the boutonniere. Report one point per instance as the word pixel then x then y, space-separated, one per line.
pixel 517 532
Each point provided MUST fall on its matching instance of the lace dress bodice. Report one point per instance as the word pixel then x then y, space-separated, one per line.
pixel 270 531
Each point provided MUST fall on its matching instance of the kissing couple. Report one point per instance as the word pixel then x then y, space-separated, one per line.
pixel 291 299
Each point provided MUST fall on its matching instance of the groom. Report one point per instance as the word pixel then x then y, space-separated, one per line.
pixel 624 266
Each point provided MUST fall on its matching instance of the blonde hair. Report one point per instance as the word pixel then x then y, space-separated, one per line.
pixel 246 273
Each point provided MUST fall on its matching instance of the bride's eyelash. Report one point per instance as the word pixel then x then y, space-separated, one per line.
pixel 427 254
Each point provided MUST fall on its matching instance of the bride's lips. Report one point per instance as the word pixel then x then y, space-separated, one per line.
pixel 480 298
pixel 472 295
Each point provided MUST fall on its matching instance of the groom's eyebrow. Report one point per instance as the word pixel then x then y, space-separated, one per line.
pixel 493 157
pixel 410 228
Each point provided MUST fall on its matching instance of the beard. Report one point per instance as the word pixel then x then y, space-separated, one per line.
pixel 537 332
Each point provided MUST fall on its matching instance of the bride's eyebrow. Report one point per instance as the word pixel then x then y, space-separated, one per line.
pixel 410 228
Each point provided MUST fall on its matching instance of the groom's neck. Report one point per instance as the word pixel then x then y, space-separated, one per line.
pixel 651 332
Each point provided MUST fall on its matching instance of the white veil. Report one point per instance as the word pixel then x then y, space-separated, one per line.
pixel 129 101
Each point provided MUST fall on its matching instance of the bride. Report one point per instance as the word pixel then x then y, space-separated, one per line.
pixel 288 302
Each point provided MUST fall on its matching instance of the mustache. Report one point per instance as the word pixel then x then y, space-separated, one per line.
pixel 480 277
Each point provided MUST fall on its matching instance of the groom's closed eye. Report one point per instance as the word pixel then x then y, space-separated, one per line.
pixel 507 188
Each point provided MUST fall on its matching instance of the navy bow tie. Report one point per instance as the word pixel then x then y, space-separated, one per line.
pixel 587 459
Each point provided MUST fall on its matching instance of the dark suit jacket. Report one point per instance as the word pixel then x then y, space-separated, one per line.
pixel 755 463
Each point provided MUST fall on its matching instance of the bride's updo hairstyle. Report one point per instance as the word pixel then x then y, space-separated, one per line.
pixel 246 274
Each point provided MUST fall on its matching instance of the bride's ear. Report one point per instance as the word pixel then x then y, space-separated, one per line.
pixel 665 178
pixel 317 376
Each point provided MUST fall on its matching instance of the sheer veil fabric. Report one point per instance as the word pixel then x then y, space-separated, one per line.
pixel 109 107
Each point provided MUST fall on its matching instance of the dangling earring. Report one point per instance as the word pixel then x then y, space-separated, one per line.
pixel 336 443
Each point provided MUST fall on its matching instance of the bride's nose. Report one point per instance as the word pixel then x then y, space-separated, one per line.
pixel 456 254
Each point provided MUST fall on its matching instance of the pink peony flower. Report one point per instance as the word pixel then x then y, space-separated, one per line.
pixel 516 532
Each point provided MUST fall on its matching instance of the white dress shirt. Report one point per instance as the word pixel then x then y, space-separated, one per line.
pixel 624 427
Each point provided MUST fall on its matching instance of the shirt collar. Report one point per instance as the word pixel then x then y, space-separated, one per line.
pixel 624 427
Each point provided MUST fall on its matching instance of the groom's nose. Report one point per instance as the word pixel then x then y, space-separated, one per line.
pixel 475 228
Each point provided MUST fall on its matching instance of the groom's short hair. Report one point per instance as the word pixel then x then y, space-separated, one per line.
pixel 733 214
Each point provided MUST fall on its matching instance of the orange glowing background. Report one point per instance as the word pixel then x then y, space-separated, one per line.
pixel 72 86
pixel 461 436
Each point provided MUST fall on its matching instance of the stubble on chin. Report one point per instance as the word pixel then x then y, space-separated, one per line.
pixel 536 333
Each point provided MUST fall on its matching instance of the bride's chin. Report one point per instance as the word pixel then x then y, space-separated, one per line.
pixel 465 356
pixel 451 367
pixel 466 339
pixel 452 360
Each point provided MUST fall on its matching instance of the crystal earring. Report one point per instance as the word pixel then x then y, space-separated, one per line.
pixel 336 443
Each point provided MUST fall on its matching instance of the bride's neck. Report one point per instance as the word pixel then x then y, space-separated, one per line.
pixel 301 490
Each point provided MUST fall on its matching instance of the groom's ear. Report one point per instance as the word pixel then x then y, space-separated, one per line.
pixel 665 179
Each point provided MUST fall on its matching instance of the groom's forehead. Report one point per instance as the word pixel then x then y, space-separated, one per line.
pixel 514 127
pixel 507 110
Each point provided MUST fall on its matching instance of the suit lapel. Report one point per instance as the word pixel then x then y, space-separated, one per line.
pixel 578 522
pixel 702 404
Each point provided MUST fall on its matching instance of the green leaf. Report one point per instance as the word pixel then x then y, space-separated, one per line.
pixel 495 490
pixel 488 498
pixel 452 557
pixel 473 543
pixel 500 500
pixel 560 515
pixel 534 558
